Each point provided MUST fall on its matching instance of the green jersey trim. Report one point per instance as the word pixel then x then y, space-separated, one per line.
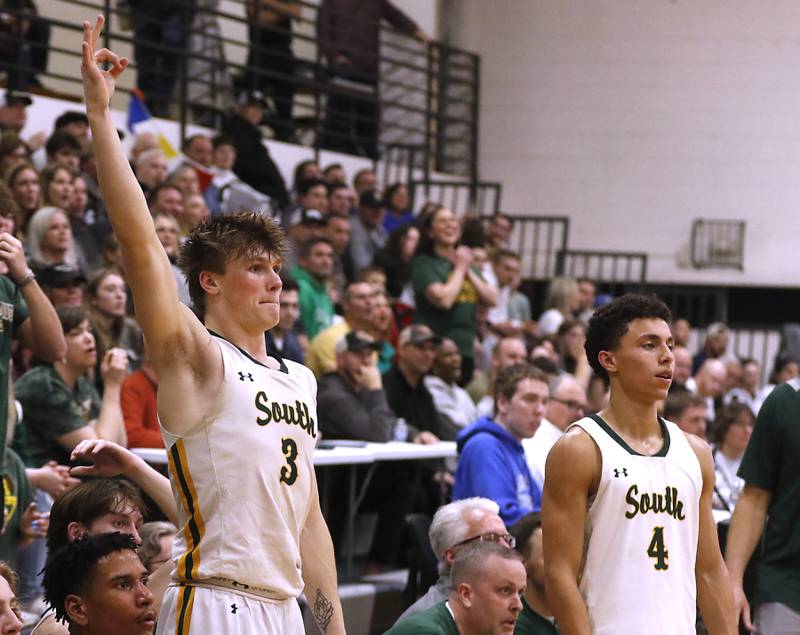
pixel 613 434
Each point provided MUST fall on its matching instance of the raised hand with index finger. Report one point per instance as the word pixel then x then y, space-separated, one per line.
pixel 98 84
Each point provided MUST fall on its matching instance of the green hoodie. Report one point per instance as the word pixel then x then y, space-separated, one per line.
pixel 316 309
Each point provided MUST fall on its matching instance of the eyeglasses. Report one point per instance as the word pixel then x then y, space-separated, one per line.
pixel 569 403
pixel 506 539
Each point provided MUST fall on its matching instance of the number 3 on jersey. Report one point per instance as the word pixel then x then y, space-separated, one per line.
pixel 658 551
pixel 289 471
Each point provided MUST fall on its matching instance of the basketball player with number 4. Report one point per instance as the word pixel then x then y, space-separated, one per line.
pixel 630 541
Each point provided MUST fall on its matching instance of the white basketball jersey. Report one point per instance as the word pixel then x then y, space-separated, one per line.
pixel 243 479
pixel 641 537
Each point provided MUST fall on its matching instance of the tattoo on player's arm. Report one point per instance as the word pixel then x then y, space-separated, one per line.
pixel 323 611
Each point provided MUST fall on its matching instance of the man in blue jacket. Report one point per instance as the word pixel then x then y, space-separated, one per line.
pixel 491 458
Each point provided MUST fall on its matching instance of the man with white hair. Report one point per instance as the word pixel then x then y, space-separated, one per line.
pixel 710 382
pixel 566 404
pixel 454 525
pixel 151 169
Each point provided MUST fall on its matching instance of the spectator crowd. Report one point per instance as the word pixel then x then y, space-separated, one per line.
pixel 413 322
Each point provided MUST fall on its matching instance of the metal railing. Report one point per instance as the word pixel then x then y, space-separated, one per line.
pixel 474 197
pixel 757 342
pixel 698 304
pixel 614 271
pixel 760 342
pixel 424 94
pixel 538 240
pixel 402 161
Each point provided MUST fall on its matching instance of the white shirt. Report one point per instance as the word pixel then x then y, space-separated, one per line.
pixel 742 396
pixel 538 447
pixel 452 401
pixel 549 321
pixel 486 406
pixel 499 312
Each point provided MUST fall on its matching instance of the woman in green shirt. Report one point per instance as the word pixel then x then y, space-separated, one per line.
pixel 446 285
pixel 60 405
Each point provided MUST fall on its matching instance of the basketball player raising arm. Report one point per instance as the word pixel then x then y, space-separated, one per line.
pixel 630 542
pixel 242 473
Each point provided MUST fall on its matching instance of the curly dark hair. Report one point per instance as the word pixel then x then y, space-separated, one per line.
pixel 70 569
pixel 523 529
pixel 610 322
pixel 213 244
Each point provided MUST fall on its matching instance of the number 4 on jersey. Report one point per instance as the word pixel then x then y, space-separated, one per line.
pixel 658 551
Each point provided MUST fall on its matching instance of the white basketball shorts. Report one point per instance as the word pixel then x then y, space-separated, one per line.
pixel 199 610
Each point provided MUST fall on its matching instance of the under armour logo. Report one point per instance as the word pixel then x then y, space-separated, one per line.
pixel 623 471
pixel 243 376
pixel 234 608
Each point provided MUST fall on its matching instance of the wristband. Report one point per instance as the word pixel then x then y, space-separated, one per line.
pixel 27 279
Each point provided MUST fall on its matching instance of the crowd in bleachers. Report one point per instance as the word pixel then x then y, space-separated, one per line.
pixel 412 321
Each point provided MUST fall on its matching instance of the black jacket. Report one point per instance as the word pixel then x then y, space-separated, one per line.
pixel 253 164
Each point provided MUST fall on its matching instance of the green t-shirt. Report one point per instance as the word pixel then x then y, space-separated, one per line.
pixel 771 462
pixel 316 310
pixel 13 312
pixel 50 409
pixel 435 621
pixel 17 497
pixel 458 322
pixel 529 622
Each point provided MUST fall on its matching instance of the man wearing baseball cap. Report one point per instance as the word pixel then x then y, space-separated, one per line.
pixel 405 388
pixel 351 404
pixel 253 164
pixel 13 115
pixel 351 400
pixel 62 284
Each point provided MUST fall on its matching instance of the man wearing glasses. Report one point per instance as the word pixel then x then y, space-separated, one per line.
pixel 453 526
pixel 488 579
pixel 567 404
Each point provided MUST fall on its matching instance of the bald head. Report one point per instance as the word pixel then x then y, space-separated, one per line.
pixel 509 351
pixel 683 365
pixel 711 378
pixel 143 142
pixel 567 402
pixel 473 560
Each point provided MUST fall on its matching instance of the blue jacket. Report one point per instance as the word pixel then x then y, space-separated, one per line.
pixel 492 464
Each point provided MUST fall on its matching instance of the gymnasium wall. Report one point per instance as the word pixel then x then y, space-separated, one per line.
pixel 634 117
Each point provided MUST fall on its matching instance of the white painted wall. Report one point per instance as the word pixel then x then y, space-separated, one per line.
pixel 634 117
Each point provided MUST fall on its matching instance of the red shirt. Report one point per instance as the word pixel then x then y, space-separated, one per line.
pixel 138 402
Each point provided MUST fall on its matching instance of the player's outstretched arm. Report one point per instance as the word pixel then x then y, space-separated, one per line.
pixel 169 327
pixel 319 570
pixel 714 593
pixel 573 468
